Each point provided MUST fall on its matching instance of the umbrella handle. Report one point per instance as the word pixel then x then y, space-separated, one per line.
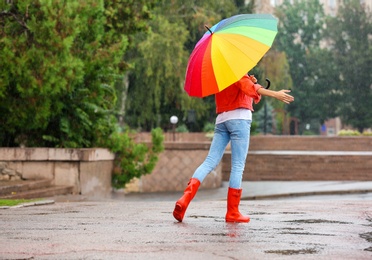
pixel 268 83
pixel 208 29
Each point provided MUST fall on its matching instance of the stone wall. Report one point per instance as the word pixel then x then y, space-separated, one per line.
pixel 293 158
pixel 87 170
pixel 299 158
pixel 175 167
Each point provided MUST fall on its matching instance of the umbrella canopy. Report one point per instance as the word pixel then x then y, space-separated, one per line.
pixel 227 51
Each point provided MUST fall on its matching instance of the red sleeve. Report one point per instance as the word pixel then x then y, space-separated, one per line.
pixel 249 88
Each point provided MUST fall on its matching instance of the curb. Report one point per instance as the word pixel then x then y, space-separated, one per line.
pixel 306 193
pixel 29 204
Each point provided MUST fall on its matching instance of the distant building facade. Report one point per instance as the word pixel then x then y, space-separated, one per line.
pixel 330 6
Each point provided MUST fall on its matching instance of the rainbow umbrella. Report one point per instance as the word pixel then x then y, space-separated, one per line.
pixel 227 51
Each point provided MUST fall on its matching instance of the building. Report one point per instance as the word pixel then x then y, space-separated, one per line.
pixel 330 6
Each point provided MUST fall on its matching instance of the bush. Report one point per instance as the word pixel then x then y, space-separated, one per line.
pixel 132 159
pixel 254 128
pixel 182 129
pixel 59 61
pixel 308 132
pixel 208 127
pixel 348 133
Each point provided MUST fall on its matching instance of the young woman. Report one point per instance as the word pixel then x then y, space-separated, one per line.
pixel 234 106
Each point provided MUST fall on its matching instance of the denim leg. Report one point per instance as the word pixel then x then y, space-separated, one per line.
pixel 239 134
pixel 220 140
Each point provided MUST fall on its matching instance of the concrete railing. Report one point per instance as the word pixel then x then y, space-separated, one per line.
pixel 310 143
pixel 269 158
pixel 87 170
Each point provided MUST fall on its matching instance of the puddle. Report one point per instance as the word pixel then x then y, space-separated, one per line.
pixel 201 216
pixel 307 251
pixel 259 213
pixel 306 233
pixel 367 236
pixel 289 228
pixel 292 213
pixel 317 221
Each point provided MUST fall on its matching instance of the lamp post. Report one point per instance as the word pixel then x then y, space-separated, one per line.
pixel 174 121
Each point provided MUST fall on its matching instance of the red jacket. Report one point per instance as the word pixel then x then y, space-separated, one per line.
pixel 238 95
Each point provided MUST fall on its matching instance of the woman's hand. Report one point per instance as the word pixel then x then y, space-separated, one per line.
pixel 283 96
pixel 253 78
pixel 279 95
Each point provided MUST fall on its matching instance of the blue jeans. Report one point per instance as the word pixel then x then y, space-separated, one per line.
pixel 238 132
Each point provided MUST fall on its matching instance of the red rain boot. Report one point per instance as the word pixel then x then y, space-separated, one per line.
pixel 233 201
pixel 183 202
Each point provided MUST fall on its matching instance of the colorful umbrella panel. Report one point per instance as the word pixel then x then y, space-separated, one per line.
pixel 227 51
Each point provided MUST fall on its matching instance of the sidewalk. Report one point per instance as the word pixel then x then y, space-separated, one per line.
pixel 141 226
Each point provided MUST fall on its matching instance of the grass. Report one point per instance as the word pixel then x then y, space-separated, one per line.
pixel 15 202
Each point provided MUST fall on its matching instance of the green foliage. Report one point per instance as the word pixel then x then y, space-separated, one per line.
pixel 160 58
pixel 182 129
pixel 133 160
pixel 308 132
pixel 264 118
pixel 367 133
pixel 15 202
pixel 329 60
pixel 348 133
pixel 349 36
pixel 300 33
pixel 275 67
pixel 208 127
pixel 59 62
pixel 209 130
pixel 254 127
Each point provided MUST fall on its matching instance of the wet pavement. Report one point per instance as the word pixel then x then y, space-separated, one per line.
pixel 258 190
pixel 136 227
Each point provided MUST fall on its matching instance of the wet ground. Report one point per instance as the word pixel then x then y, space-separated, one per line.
pixel 141 226
pixel 142 230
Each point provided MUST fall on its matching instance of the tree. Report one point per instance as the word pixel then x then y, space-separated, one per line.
pixel 275 67
pixel 59 61
pixel 155 80
pixel 158 81
pixel 300 36
pixel 349 35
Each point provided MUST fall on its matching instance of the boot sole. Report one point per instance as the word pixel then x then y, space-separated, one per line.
pixel 237 221
pixel 177 213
